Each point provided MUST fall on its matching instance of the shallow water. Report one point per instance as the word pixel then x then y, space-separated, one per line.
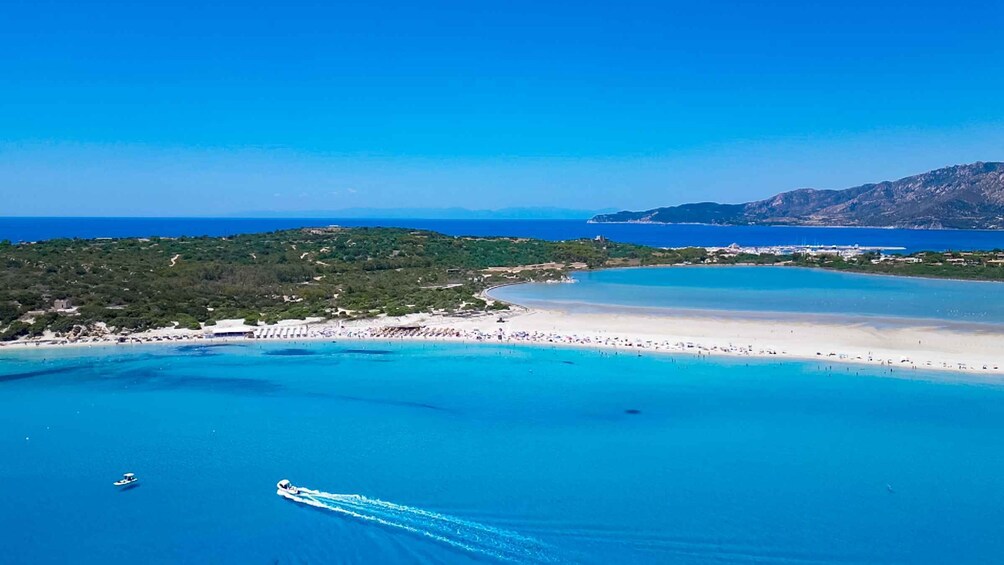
pixel 785 290
pixel 509 453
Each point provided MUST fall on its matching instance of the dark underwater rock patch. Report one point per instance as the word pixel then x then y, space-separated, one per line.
pixel 291 352
pixel 38 373
pixel 368 351
pixel 154 379
pixel 204 348
pixel 389 402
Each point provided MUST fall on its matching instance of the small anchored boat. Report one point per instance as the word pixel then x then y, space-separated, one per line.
pixel 285 488
pixel 126 480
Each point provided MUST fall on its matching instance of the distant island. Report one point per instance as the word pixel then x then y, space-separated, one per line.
pixel 958 197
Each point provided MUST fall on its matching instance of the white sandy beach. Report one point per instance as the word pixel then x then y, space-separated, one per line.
pixel 907 347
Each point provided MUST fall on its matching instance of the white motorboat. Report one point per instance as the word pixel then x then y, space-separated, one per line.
pixel 285 488
pixel 126 480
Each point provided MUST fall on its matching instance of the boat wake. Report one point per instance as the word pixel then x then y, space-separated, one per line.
pixel 481 539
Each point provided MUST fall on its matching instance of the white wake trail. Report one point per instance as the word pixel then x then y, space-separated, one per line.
pixel 504 545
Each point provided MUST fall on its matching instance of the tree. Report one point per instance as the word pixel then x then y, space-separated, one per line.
pixel 8 313
pixel 14 331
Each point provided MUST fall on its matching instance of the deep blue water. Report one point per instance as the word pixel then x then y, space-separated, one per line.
pixel 525 453
pixel 35 229
pixel 770 290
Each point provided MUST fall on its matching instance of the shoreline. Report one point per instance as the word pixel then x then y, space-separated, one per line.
pixel 823 318
pixel 918 347
pixel 768 266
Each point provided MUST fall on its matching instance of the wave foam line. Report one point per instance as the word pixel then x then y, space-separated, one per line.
pixel 456 532
pixel 392 507
pixel 459 533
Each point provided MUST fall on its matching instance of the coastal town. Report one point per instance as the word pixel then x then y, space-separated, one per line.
pixel 843 251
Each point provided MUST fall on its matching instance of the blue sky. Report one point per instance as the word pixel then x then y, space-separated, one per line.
pixel 183 108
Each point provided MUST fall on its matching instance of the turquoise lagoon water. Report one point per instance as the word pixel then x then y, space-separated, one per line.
pixel 483 453
pixel 788 290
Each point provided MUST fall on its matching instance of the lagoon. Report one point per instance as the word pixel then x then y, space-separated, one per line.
pixel 560 455
pixel 763 290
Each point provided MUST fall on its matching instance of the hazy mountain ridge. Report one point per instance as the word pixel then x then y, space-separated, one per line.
pixel 456 213
pixel 960 197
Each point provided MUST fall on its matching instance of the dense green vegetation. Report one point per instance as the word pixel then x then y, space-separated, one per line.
pixel 73 286
pixel 975 265
pixel 965 265
pixel 135 284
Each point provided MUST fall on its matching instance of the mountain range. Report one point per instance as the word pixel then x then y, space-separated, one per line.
pixel 957 197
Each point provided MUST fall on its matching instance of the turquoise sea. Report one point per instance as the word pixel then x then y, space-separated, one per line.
pixel 753 290
pixel 488 453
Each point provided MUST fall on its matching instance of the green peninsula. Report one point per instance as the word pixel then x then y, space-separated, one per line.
pixel 69 285
pixel 76 286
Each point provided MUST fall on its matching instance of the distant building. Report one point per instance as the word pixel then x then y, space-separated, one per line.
pixel 229 331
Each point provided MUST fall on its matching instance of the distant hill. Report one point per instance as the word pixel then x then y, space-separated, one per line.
pixel 958 197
